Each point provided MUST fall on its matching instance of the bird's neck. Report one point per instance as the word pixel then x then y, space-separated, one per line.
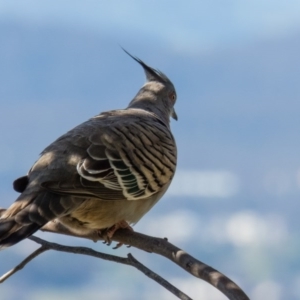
pixel 150 105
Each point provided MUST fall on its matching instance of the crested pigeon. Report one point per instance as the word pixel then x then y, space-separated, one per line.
pixel 105 173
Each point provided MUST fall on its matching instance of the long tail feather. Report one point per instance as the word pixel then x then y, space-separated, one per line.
pixel 30 212
pixel 12 237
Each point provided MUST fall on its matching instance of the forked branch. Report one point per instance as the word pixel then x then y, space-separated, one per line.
pixel 146 243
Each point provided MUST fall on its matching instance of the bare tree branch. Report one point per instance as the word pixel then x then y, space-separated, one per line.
pixel 158 279
pixel 168 250
pixel 130 260
pixel 20 266
pixel 146 243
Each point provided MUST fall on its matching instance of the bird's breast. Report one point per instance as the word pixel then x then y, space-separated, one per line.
pixel 96 214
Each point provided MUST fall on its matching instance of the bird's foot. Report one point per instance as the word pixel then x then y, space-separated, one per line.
pixel 120 225
pixel 108 234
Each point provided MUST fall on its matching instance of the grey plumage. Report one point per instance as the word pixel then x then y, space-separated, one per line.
pixel 110 169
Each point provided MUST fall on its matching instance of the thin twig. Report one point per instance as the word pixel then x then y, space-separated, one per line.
pixel 158 246
pixel 130 260
pixel 168 250
pixel 184 260
pixel 21 265
pixel 158 278
pixel 79 250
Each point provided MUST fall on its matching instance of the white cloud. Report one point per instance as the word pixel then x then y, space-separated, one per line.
pixel 267 290
pixel 178 226
pixel 89 292
pixel 192 287
pixel 249 228
pixel 242 229
pixel 221 184
pixel 195 288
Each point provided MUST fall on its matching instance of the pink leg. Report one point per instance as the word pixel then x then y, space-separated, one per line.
pixel 111 231
pixel 122 224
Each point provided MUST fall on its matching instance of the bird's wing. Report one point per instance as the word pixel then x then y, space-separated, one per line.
pixel 131 160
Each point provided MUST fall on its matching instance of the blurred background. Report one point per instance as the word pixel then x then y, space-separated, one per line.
pixel 234 202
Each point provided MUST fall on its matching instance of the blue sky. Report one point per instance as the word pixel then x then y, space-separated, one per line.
pixel 189 26
pixel 235 65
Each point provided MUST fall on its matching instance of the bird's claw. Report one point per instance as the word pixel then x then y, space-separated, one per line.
pixel 109 232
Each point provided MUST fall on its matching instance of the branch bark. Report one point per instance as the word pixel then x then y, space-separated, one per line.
pixel 146 243
pixel 129 260
pixel 168 250
pixel 20 266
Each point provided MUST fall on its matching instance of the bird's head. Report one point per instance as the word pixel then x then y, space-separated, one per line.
pixel 157 95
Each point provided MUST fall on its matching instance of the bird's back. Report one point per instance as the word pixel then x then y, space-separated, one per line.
pixel 105 172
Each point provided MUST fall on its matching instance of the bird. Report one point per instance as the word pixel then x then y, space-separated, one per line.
pixel 104 174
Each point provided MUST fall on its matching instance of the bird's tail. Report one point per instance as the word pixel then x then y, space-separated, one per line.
pixel 11 232
pixel 29 213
